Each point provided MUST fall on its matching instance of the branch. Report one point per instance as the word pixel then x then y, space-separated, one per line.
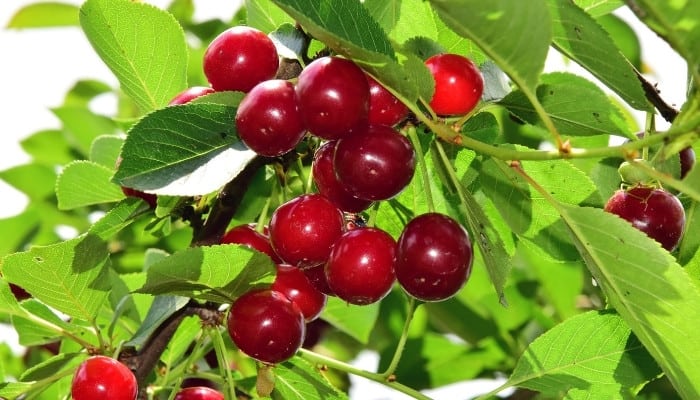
pixel 653 95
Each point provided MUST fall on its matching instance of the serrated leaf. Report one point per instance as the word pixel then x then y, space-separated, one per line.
pixel 265 15
pixel 44 326
pixel 578 36
pixel 48 147
pixel 118 218
pixel 653 294
pixel 356 321
pixel 105 150
pixel 68 276
pixel 576 106
pixel 35 180
pixel 143 46
pixel 12 390
pixel 296 379
pixel 8 302
pixel 182 340
pixel 81 126
pixel 161 309
pixel 597 8
pixel 184 150
pixel 50 367
pixel 593 353
pixel 212 273
pixel 492 25
pixel 83 183
pixel 44 15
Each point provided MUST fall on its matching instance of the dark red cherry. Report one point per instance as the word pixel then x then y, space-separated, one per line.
pixel 303 230
pixel 247 235
pixel 266 325
pixel 687 156
pixel 327 182
pixel 149 198
pixel 199 393
pixel 333 96
pixel 190 94
pixel 375 163
pixel 239 58
pixel 433 257
pixel 655 212
pixel 101 377
pixel 384 107
pixel 360 269
pixel 294 284
pixel 458 84
pixel 317 277
pixel 268 119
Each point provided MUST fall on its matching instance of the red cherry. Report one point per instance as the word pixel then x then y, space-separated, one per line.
pixel 328 184
pixel 655 212
pixel 687 156
pixel 360 269
pixel 19 292
pixel 190 94
pixel 149 198
pixel 240 58
pixel 458 84
pixel 384 107
pixel 333 96
pixel 246 235
pixel 375 163
pixel 199 393
pixel 266 325
pixel 433 257
pixel 303 230
pixel 101 377
pixel 317 277
pixel 294 284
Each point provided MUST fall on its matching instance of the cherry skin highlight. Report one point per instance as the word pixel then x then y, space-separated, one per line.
pixel 333 96
pixel 360 269
pixel 328 184
pixel 268 119
pixel 433 257
pixel 266 326
pixel 239 58
pixel 101 377
pixel 655 212
pixel 458 84
pixel 293 283
pixel 199 393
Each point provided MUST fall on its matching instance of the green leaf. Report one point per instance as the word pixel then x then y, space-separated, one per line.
pixel 161 309
pixel 44 15
pixel 404 19
pixel 8 302
pixel 35 180
pixel 576 105
pixel 12 390
pixel 597 8
pixel 184 150
pixel 83 183
pixel 594 354
pixel 182 340
pixel 578 36
pixel 81 126
pixel 105 150
pixel 50 367
pixel 143 46
pixel 212 273
pixel 624 37
pixel 68 276
pixel 493 25
pixel 118 218
pixel 653 294
pixel 356 321
pixel 44 326
pixel 84 91
pixel 296 379
pixel 265 15
pixel 48 147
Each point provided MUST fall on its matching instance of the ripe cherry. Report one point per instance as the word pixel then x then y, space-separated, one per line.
pixel 384 107
pixel 239 58
pixel 360 269
pixel 375 163
pixel 266 325
pixel 294 284
pixel 333 96
pixel 317 277
pixel 190 94
pixel 433 257
pixel 268 119
pixel 655 212
pixel 687 156
pixel 199 393
pixel 246 235
pixel 101 377
pixel 458 84
pixel 327 182
pixel 303 230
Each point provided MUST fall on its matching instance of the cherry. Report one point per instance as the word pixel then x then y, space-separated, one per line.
pixel 687 156
pixel 360 269
pixel 19 292
pixel 190 94
pixel 375 163
pixel 303 230
pixel 314 332
pixel 333 96
pixel 149 198
pixel 458 84
pixel 101 377
pixel 266 325
pixel 268 119
pixel 327 182
pixel 246 235
pixel 239 58
pixel 294 284
pixel 317 276
pixel 384 107
pixel 199 393
pixel 655 212
pixel 433 257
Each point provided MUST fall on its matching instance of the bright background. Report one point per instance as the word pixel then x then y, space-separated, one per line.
pixel 38 66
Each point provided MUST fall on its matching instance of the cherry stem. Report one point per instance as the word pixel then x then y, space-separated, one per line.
pixel 319 359
pixel 411 130
pixel 220 350
pixel 679 185
pixel 402 340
